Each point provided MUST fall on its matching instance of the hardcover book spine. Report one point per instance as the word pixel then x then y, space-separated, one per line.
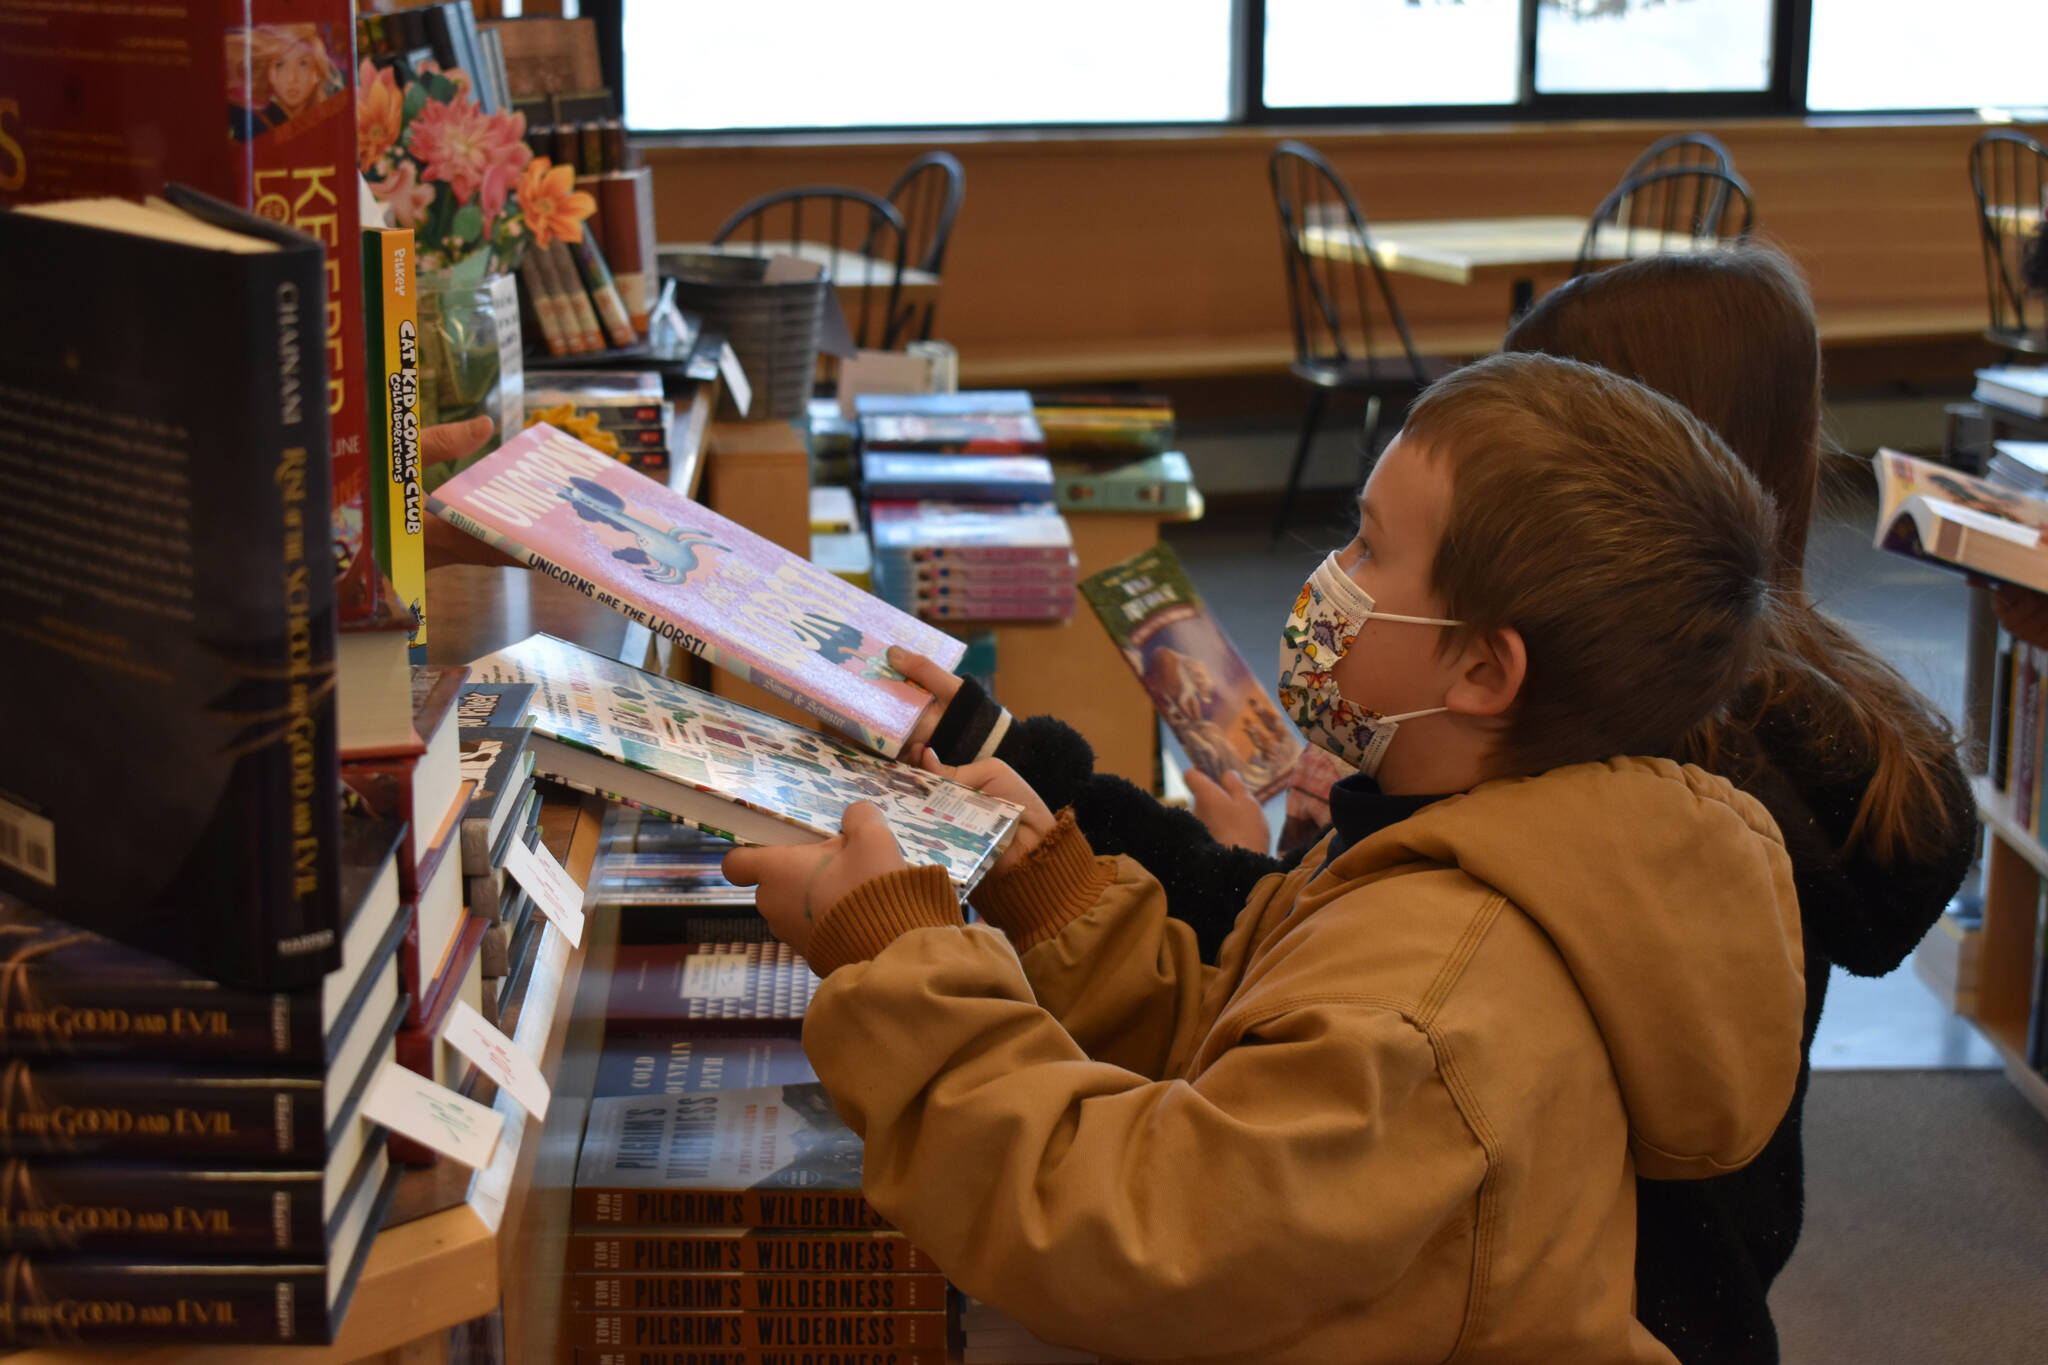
pixel 83 1109
pixel 808 1210
pixel 757 1293
pixel 69 1016
pixel 604 292
pixel 558 263
pixel 547 308
pixel 749 1355
pixel 305 176
pixel 680 1251
pixel 796 1331
pixel 94 1207
pixel 53 1300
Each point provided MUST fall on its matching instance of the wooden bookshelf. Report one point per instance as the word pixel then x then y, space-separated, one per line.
pixel 2015 865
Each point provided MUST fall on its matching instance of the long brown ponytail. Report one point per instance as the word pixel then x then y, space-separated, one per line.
pixel 1730 335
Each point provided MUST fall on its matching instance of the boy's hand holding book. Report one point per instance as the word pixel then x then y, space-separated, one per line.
pixel 798 883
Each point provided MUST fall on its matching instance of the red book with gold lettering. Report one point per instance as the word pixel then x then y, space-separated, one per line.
pixel 250 101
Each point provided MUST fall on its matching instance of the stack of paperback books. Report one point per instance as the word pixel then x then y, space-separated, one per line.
pixel 186 1156
pixel 974 561
pixel 1113 452
pixel 621 412
pixel 503 809
pixel 717 1201
pixel 668 877
pixel 953 482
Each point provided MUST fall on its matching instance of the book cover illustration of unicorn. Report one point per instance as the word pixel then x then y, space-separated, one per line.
pixel 717 589
pixel 730 751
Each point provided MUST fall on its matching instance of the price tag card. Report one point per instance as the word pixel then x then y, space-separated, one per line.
pixel 552 889
pixel 478 1039
pixel 434 1115
pixel 735 378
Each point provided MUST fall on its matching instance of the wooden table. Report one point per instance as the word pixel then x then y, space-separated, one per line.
pixel 1462 250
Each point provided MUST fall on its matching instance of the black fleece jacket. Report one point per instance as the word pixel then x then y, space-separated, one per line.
pixel 1706 1250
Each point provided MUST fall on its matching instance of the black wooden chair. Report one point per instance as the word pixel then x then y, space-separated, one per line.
pixel 855 233
pixel 2009 177
pixel 1681 150
pixel 928 195
pixel 1671 209
pixel 1335 293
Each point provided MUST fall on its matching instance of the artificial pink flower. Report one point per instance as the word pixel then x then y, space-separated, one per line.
pixel 380 112
pixel 550 203
pixel 409 200
pixel 458 145
pixel 508 155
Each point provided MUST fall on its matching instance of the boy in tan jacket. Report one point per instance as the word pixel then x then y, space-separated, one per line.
pixel 1402 1117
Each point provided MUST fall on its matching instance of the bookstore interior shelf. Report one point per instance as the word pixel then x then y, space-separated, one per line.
pixel 2015 865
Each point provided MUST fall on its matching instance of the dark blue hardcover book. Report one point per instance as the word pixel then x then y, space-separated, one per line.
pixel 957 478
pixel 170 779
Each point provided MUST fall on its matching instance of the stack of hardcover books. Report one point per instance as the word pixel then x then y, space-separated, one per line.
pixel 187 1154
pixel 503 809
pixel 974 561
pixel 624 412
pixel 717 1201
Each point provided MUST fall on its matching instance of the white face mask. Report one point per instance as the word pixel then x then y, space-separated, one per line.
pixel 1325 620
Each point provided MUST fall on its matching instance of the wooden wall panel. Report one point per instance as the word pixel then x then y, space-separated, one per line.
pixel 1157 257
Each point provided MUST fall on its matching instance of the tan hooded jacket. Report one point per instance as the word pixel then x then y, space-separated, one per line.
pixel 1400 1120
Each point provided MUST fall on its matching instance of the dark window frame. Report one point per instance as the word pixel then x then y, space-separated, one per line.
pixel 1784 97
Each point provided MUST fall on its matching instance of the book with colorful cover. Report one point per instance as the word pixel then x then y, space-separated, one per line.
pixel 89 117
pixel 1201 686
pixel 1959 522
pixel 725 594
pixel 966 478
pixel 932 532
pixel 397 498
pixel 620 732
pixel 953 433
pixel 1158 484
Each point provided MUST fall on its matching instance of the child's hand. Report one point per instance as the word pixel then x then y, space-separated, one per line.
pixel 933 679
pixel 993 777
pixel 800 882
pixel 1233 815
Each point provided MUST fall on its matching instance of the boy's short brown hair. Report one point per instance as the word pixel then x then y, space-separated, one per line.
pixel 1616 533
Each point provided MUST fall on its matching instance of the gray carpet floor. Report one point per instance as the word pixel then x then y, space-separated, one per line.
pixel 1926 1237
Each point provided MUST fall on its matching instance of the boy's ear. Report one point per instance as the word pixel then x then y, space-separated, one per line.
pixel 1491 668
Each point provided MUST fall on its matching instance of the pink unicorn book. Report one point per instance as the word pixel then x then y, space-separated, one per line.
pixel 725 594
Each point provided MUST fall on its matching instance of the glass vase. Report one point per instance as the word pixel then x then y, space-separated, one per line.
pixel 469 362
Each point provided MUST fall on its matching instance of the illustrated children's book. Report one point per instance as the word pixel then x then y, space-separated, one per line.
pixel 725 594
pixel 633 736
pixel 1201 685
pixel 1956 521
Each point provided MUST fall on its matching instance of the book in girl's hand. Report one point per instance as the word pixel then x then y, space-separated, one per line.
pixel 1203 689
pixel 603 727
pixel 1960 522
pixel 722 592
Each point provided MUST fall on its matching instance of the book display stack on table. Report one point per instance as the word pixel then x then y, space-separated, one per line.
pixel 953 481
pixel 1113 452
pixel 623 413
pixel 2017 388
pixel 183 1121
pixel 839 544
pixel 717 1206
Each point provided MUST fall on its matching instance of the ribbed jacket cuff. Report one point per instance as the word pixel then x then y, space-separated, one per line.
pixel 1041 895
pixel 869 918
